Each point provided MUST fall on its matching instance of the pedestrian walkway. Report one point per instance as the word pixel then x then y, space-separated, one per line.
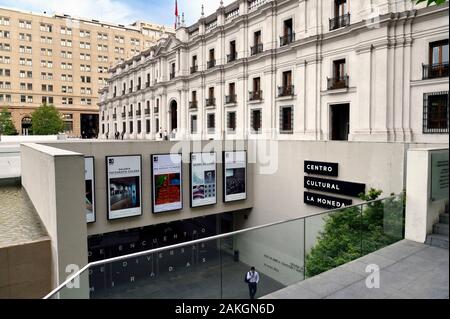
pixel 408 270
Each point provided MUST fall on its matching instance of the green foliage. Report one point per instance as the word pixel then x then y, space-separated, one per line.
pixel 46 120
pixel 430 2
pixel 354 232
pixel 6 124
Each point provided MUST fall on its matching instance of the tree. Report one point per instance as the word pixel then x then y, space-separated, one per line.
pixel 46 120
pixel 6 124
pixel 430 2
pixel 356 231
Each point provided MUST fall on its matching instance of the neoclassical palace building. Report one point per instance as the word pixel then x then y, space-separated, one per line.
pixel 290 70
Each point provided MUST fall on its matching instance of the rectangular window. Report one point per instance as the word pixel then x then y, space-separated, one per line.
pixel 256 120
pixel 286 120
pixel 147 127
pixel 211 123
pixel 194 124
pixel 435 113
pixel 340 8
pixel 231 122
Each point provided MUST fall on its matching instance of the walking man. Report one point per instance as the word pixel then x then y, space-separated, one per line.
pixel 252 278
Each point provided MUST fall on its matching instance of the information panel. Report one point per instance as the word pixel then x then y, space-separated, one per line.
pixel 235 176
pixel 124 176
pixel 89 180
pixel 439 176
pixel 167 182
pixel 203 179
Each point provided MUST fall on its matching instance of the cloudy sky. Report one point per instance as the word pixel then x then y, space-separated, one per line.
pixel 119 11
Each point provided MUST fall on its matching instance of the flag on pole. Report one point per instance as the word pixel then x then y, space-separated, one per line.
pixel 176 13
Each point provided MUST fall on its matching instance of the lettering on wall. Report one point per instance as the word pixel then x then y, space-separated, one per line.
pixel 334 186
pixel 324 201
pixel 325 185
pixel 322 168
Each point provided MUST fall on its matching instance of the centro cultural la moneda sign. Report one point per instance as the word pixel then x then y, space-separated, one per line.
pixel 327 185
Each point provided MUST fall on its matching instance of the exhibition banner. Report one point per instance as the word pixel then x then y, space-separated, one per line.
pixel 89 198
pixel 124 177
pixel 203 179
pixel 235 176
pixel 167 182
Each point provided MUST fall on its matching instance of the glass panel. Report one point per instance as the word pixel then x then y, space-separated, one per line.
pixel 382 224
pixel 190 272
pixel 332 239
pixel 276 252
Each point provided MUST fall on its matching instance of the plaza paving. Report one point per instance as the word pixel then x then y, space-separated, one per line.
pixel 408 270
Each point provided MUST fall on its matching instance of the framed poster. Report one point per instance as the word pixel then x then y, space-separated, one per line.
pixel 235 176
pixel 203 176
pixel 124 181
pixel 166 182
pixel 89 180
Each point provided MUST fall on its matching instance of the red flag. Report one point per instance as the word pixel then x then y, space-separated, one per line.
pixel 176 13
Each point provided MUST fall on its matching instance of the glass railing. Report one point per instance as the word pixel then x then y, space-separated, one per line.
pixel 283 253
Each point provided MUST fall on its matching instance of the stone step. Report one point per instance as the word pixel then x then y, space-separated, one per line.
pixel 441 229
pixel 437 240
pixel 443 218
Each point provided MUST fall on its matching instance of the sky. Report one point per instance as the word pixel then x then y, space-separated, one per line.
pixel 120 11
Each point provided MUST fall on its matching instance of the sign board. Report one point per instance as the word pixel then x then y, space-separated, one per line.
pixel 123 174
pixel 334 186
pixel 439 176
pixel 235 176
pixel 167 182
pixel 324 201
pixel 322 168
pixel 203 176
pixel 89 180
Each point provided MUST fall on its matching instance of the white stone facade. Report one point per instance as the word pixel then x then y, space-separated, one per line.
pixel 385 44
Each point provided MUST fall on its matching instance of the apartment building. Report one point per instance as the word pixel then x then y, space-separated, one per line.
pixel 290 70
pixel 63 60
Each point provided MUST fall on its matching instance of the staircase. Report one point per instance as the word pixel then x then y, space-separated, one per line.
pixel 439 238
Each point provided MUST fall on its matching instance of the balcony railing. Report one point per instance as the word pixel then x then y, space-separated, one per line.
pixel 138 112
pixel 255 95
pixel 193 105
pixel 367 227
pixel 433 71
pixel 156 110
pixel 130 114
pixel 194 69
pixel 123 114
pixel 172 76
pixel 257 49
pixel 114 116
pixel 230 99
pixel 338 83
pixel 287 39
pixel 147 111
pixel 211 64
pixel 210 102
pixel 339 22
pixel 231 57
pixel 287 90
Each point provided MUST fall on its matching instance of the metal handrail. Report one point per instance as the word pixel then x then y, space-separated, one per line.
pixel 202 240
